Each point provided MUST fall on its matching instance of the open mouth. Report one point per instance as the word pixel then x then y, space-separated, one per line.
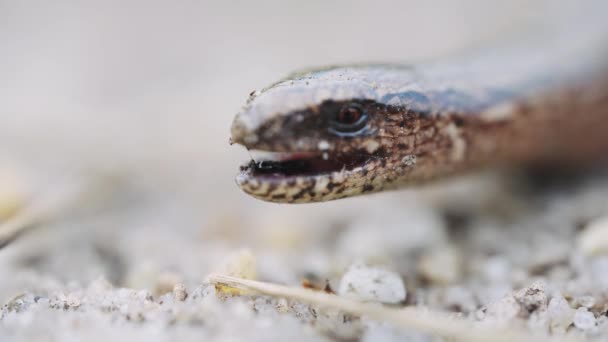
pixel 282 165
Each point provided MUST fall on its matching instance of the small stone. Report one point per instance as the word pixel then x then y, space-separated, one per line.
pixel 179 292
pixel 583 319
pixel 560 313
pixel 72 300
pixel 282 305
pixel 374 284
pixel 532 298
pixel 203 291
pixel 265 306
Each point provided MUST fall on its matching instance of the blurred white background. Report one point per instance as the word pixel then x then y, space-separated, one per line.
pixel 148 89
pixel 153 84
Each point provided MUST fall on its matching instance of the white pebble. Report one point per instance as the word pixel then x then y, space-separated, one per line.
pixel 73 300
pixel 560 313
pixel 532 298
pixel 583 319
pixel 375 284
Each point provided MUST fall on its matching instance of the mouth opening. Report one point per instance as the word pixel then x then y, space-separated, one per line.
pixel 276 165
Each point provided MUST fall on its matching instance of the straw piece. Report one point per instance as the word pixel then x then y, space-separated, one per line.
pixel 422 320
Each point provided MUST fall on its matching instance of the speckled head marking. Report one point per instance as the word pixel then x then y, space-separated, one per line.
pixel 340 132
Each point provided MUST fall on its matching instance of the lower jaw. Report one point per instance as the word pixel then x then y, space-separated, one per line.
pixel 306 192
pixel 301 188
pixel 306 176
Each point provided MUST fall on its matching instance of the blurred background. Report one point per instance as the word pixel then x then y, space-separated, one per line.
pixel 138 96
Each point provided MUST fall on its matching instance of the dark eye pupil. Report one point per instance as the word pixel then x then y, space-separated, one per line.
pixel 349 115
pixel 349 120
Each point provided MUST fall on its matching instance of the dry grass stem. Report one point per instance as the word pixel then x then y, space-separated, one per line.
pixel 425 321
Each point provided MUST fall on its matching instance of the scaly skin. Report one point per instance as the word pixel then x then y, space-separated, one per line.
pixel 507 107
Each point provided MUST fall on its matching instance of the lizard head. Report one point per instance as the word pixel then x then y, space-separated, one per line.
pixel 326 134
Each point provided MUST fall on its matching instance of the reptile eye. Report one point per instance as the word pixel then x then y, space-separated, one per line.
pixel 349 120
pixel 349 115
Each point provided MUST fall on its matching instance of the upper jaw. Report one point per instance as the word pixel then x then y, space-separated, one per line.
pixel 272 136
pixel 242 132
